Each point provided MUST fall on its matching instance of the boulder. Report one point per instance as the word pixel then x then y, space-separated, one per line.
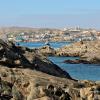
pixel 47 50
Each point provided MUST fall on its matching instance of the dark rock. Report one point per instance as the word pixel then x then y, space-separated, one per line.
pixel 77 61
pixel 48 67
pixel 57 93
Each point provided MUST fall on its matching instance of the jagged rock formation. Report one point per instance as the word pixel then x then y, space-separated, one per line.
pixel 16 56
pixel 47 50
pixel 75 49
pixel 89 51
pixel 28 84
pixel 31 76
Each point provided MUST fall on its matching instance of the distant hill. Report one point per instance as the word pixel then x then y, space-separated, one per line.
pixel 24 29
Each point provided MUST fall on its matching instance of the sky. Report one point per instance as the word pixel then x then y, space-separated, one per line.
pixel 50 13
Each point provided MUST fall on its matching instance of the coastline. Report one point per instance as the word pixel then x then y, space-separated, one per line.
pixel 33 76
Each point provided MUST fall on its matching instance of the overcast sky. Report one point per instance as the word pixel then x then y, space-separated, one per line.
pixel 50 13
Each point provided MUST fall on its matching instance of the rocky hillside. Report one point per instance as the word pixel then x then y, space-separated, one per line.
pixel 27 75
pixel 14 56
pixel 27 84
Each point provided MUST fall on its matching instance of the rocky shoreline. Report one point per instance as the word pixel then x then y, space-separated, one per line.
pixel 87 51
pixel 31 76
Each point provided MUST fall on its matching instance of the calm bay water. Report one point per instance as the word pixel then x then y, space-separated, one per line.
pixel 78 71
pixel 40 44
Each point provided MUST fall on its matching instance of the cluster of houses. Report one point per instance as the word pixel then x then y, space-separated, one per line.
pixel 73 34
pixel 78 34
pixel 30 37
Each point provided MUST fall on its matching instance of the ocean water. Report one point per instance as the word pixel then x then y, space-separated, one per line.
pixel 77 71
pixel 40 44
